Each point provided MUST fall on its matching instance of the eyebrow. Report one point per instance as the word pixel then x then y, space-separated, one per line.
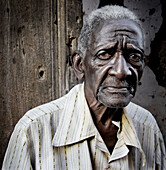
pixel 106 46
pixel 131 46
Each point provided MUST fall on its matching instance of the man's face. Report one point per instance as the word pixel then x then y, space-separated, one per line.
pixel 114 63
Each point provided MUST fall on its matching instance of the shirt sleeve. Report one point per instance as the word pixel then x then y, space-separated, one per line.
pixel 160 152
pixel 17 154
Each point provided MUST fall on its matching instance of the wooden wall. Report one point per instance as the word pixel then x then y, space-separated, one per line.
pixel 36 39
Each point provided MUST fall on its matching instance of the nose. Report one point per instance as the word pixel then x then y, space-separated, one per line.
pixel 120 68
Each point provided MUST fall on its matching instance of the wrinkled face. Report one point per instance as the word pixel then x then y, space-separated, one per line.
pixel 114 63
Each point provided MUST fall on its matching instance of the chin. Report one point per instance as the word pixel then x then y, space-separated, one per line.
pixel 115 104
pixel 115 101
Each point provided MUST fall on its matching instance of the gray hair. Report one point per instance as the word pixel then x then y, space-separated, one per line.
pixel 96 17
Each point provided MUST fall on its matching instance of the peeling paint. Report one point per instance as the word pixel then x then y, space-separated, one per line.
pixel 150 13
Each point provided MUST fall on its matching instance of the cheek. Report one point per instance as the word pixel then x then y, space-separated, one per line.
pixel 93 78
pixel 139 72
pixel 139 75
pixel 92 71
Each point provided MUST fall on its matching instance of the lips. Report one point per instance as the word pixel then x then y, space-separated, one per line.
pixel 113 85
pixel 112 89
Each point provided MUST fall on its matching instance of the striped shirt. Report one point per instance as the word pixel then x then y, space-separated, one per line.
pixel 61 135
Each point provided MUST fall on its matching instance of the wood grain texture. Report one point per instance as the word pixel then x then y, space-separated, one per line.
pixel 36 39
pixel 69 23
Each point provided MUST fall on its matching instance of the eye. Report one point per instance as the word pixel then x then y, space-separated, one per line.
pixel 135 57
pixel 103 55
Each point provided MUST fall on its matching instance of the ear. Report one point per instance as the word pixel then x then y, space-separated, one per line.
pixel 77 64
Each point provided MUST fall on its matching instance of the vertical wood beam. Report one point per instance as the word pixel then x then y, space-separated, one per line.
pixel 27 55
pixel 69 23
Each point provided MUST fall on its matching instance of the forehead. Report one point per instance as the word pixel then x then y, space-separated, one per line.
pixel 117 28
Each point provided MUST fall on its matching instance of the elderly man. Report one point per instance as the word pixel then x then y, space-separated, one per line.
pixel 94 126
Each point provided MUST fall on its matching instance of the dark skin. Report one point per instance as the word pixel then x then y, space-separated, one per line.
pixel 111 69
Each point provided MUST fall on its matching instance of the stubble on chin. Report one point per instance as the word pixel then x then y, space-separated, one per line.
pixel 114 100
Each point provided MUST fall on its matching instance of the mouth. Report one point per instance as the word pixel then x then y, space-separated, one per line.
pixel 118 89
pixel 113 85
pixel 112 89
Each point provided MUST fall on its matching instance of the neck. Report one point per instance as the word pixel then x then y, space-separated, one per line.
pixel 105 115
pixel 100 112
pixel 102 118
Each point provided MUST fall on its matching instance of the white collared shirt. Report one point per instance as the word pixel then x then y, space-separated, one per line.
pixel 61 135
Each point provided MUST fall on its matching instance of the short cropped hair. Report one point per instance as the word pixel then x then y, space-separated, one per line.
pixel 99 15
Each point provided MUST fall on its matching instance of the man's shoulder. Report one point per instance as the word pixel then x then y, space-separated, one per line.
pixel 53 108
pixel 140 115
pixel 47 111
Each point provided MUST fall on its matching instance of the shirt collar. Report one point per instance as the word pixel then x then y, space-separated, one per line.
pixel 76 125
pixel 127 136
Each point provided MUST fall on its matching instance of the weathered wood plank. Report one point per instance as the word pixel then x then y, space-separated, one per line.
pixel 69 23
pixel 36 39
pixel 74 23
